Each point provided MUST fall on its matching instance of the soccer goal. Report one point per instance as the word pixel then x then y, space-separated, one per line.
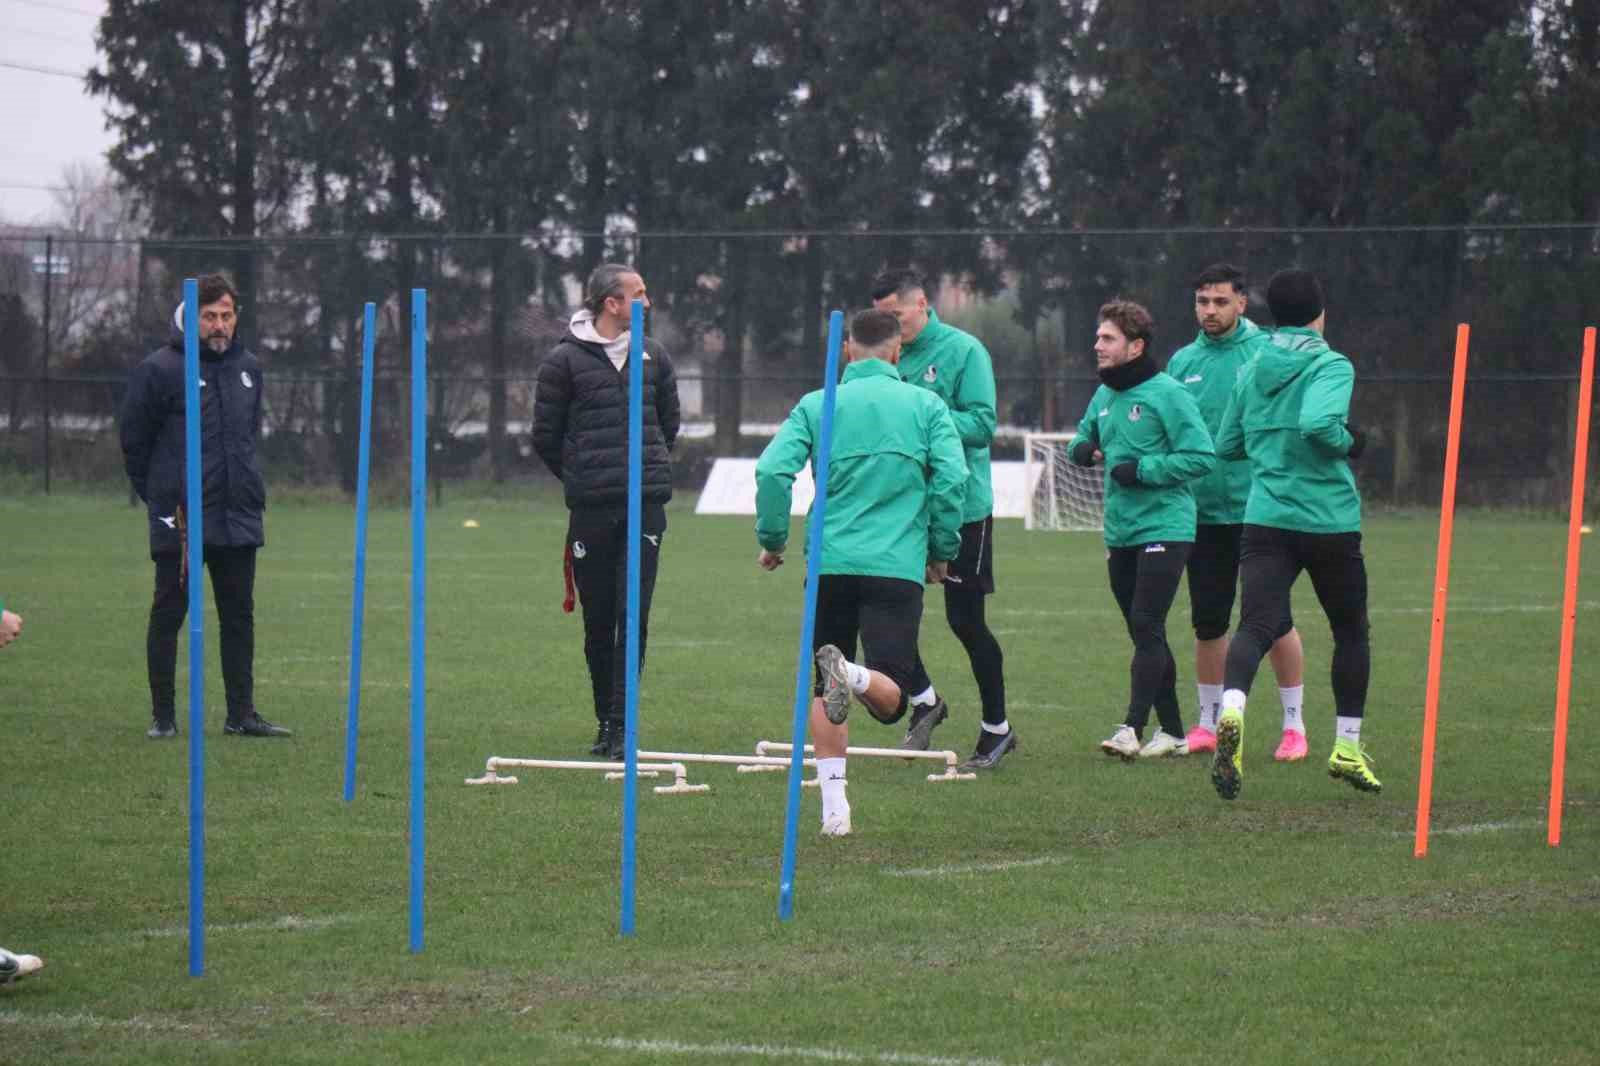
pixel 1060 496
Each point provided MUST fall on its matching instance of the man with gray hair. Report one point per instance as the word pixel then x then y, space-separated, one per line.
pixel 580 430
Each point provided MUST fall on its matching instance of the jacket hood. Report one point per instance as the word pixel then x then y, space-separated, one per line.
pixel 1294 348
pixel 175 338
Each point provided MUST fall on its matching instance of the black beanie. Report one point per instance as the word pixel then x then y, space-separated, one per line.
pixel 1294 297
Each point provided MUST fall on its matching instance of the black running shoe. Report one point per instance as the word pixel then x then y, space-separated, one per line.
pixel 991 749
pixel 599 745
pixel 162 729
pixel 616 736
pixel 923 720
pixel 253 725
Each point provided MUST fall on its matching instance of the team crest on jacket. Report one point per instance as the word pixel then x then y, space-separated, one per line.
pixel 578 550
pixel 244 376
pixel 930 375
pixel 1136 412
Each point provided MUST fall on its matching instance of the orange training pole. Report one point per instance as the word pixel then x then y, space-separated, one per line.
pixel 1569 601
pixel 1441 589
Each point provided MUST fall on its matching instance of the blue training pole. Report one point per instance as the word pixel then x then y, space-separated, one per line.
pixel 630 771
pixel 419 586
pixel 358 599
pixel 194 549
pixel 808 623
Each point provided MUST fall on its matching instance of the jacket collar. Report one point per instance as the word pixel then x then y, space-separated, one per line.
pixel 1242 331
pixel 870 368
pixel 930 331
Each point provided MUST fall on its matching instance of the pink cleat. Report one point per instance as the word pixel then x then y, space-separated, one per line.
pixel 1202 739
pixel 1292 748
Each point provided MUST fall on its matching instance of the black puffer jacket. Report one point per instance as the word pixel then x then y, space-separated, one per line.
pixel 580 423
pixel 233 493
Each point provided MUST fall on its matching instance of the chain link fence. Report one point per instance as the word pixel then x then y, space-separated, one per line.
pixel 744 316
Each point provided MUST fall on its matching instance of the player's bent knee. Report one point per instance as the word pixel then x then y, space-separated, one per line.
pixel 891 717
pixel 1210 629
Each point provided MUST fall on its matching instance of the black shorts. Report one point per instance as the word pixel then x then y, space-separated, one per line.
pixel 885 612
pixel 1214 579
pixel 972 570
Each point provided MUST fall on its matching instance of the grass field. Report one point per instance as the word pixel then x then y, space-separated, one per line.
pixel 1069 908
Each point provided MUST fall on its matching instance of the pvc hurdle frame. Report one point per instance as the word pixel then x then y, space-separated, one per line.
pixel 950 759
pixel 614 771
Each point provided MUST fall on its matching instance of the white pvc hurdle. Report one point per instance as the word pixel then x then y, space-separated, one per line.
pixel 614 770
pixel 759 763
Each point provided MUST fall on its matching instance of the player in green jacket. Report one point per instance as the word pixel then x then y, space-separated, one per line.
pixel 1149 433
pixel 955 366
pixel 896 478
pixel 1208 368
pixel 1290 415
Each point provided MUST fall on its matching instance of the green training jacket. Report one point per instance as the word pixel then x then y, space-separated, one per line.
pixel 1157 424
pixel 1209 368
pixel 895 476
pixel 1289 415
pixel 955 366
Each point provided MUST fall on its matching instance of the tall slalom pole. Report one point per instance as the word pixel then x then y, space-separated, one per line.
pixel 1441 589
pixel 358 598
pixel 802 679
pixel 194 554
pixel 1569 599
pixel 419 588
pixel 630 769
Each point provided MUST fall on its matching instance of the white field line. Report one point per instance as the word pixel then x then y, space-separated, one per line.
pixel 780 1051
pixel 343 682
pixel 1474 828
pixel 956 869
pixel 288 923
pixel 86 1021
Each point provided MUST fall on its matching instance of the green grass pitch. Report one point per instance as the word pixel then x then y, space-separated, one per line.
pixel 1069 908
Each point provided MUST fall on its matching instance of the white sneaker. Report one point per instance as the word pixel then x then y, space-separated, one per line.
pixel 835 684
pixel 1164 743
pixel 1124 742
pixel 15 967
pixel 837 824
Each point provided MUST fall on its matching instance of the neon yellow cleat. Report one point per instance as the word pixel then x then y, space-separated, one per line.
pixel 1351 763
pixel 1227 766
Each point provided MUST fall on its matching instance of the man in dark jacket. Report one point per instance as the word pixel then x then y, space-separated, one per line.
pixel 580 430
pixel 233 498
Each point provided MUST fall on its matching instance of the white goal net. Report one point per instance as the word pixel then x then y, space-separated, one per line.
pixel 1060 496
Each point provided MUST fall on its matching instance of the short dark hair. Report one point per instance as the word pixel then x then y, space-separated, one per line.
pixel 1221 274
pixel 604 281
pixel 871 328
pixel 898 282
pixel 1294 297
pixel 1133 319
pixel 214 287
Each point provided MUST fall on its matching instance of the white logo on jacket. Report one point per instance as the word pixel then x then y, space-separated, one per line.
pixel 1192 378
pixel 578 550
pixel 1135 412
pixel 930 375
pixel 170 520
pixel 244 376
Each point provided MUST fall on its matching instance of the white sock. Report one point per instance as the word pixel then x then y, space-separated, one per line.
pixel 1292 701
pixel 998 730
pixel 1233 700
pixel 830 778
pixel 925 698
pixel 860 677
pixel 1210 704
pixel 1347 729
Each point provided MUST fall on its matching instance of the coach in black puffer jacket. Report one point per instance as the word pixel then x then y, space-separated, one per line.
pixel 233 498
pixel 580 430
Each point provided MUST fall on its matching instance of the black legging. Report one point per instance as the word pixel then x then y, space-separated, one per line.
pixel 964 611
pixel 1144 579
pixel 233 582
pixel 1269 561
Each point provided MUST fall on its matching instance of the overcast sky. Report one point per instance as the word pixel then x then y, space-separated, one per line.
pixel 46 120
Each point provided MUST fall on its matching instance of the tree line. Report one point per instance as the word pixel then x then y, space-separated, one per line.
pixel 762 158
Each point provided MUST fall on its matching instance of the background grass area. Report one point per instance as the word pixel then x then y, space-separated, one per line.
pixel 1069 908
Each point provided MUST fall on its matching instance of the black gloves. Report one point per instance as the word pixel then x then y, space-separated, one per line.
pixel 1358 445
pixel 1126 474
pixel 1082 452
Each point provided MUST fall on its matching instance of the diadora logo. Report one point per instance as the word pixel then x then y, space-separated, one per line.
pixel 953 579
pixel 1103 412
pixel 654 539
pixel 1135 412
pixel 578 550
pixel 171 521
pixel 202 383
pixel 1192 378
pixel 1152 548
pixel 931 375
pixel 244 376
